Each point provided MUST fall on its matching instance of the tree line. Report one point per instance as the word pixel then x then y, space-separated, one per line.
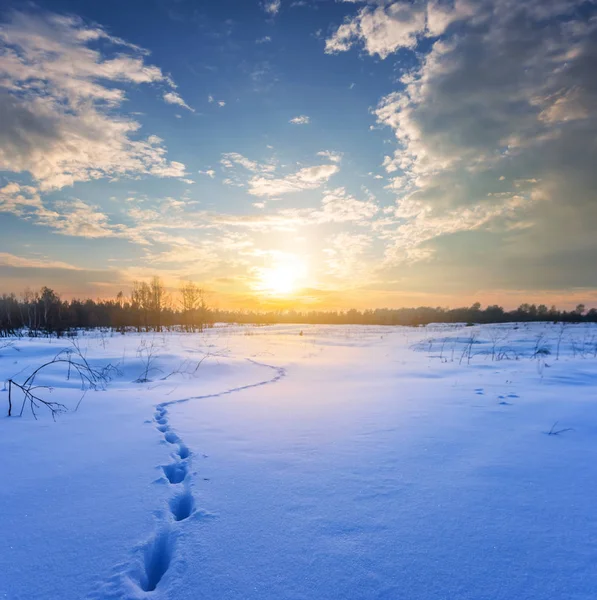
pixel 149 307
pixel 422 315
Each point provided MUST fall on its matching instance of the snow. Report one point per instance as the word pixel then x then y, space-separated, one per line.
pixel 348 462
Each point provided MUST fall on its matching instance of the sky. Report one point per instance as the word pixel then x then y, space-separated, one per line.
pixel 316 154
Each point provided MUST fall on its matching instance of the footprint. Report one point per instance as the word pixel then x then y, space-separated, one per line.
pixel 504 403
pixel 158 554
pixel 513 396
pixel 162 428
pixel 161 420
pixel 182 506
pixel 479 392
pixel 176 472
pixel 183 451
pixel 171 438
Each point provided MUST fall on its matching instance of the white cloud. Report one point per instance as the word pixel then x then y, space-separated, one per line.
pixel 494 132
pixel 76 218
pixel 300 120
pixel 272 7
pixel 11 260
pixel 212 100
pixel 210 173
pixel 309 178
pixel 174 98
pixel 335 157
pixel 339 207
pixel 230 159
pixel 384 27
pixel 20 200
pixel 420 225
pixel 58 105
pixel 67 217
pixel 344 256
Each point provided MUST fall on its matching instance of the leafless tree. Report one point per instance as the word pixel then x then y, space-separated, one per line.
pixel 497 335
pixel 559 339
pixel 91 378
pixel 148 351
pixel 467 352
pixel 194 307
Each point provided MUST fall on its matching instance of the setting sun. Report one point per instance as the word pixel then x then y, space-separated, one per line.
pixel 283 278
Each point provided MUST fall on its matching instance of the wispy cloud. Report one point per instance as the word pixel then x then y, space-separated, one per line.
pixel 300 120
pixel 58 104
pixel 174 98
pixel 309 178
pixel 230 159
pixel 384 27
pixel 335 157
pixel 11 260
pixel 272 7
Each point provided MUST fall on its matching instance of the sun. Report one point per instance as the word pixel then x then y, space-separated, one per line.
pixel 284 278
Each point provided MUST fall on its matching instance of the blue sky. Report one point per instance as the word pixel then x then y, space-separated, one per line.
pixel 314 153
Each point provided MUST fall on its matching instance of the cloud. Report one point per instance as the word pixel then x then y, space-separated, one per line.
pixel 174 98
pixel 343 257
pixel 20 200
pixel 76 218
pixel 381 29
pixel 335 157
pixel 59 99
pixel 212 100
pixel 340 207
pixel 66 217
pixel 210 173
pixel 230 159
pixel 300 120
pixel 272 7
pixel 309 178
pixel 495 134
pixel 408 241
pixel 11 260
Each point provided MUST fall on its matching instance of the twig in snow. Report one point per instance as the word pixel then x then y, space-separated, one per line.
pixel 554 431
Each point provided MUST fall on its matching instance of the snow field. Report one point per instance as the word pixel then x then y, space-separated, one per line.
pixel 347 462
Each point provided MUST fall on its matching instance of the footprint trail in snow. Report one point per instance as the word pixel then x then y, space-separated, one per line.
pixel 158 552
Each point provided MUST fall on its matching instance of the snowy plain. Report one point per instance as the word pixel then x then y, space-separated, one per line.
pixel 297 462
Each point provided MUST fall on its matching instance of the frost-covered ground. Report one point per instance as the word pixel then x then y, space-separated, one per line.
pixel 344 463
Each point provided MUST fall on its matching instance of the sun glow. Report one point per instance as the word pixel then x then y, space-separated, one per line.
pixel 284 278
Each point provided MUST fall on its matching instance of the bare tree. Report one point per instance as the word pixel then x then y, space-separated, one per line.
pixel 194 307
pixel 559 339
pixel 91 378
pixel 467 352
pixel 497 335
pixel 148 352
pixel 157 299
